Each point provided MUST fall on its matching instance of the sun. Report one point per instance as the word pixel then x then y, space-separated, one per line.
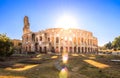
pixel 66 21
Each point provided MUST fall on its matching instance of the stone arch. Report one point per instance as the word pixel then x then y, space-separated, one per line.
pixel 33 37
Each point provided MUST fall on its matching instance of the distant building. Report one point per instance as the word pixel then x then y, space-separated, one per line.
pixel 58 40
pixel 17 44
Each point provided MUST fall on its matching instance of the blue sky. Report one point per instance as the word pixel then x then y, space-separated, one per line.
pixel 102 17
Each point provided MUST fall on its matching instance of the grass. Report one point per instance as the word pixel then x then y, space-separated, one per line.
pixel 43 67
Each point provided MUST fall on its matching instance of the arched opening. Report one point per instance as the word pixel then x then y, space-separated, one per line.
pixel 66 49
pixel 85 49
pixel 45 36
pixel 88 49
pixel 78 49
pixel 45 49
pixel 26 49
pixel 48 39
pixel 74 49
pixel 79 41
pixel 53 50
pixel 91 50
pixel 33 37
pixel 74 40
pixel 82 40
pixel 40 38
pixel 56 50
pixel 61 49
pixel 96 50
pixel 70 49
pixel 27 38
pixel 57 39
pixel 36 39
pixel 40 49
pixel 29 48
pixel 36 47
pixel 52 40
pixel 82 49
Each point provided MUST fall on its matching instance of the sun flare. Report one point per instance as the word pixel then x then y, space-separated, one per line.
pixel 66 21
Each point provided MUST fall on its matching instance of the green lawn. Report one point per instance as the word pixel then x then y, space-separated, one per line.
pixel 44 67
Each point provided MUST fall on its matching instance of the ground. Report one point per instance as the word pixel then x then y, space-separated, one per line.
pixel 43 66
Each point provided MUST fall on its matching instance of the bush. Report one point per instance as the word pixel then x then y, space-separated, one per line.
pixel 10 53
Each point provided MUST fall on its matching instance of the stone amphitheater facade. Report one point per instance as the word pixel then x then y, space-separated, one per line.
pixel 57 40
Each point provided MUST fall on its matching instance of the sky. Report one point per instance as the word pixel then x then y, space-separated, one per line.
pixel 101 17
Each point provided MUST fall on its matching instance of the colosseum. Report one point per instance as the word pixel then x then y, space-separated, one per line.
pixel 57 40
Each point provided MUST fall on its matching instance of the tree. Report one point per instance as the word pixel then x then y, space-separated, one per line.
pixel 6 46
pixel 116 43
pixel 108 45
